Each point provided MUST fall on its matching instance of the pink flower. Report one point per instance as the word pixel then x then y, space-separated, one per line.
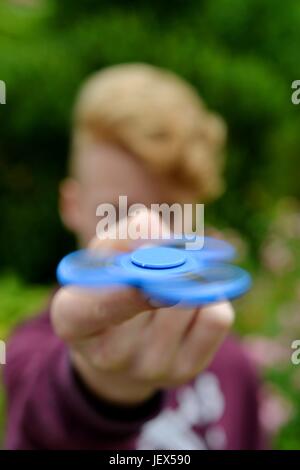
pixel 266 352
pixel 275 411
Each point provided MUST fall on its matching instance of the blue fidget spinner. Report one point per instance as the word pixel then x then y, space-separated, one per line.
pixel 168 272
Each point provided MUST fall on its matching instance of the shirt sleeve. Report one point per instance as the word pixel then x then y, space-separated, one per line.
pixel 50 408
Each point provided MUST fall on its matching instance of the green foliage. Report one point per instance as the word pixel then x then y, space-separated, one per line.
pixel 271 309
pixel 18 300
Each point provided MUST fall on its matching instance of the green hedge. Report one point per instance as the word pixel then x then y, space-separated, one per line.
pixel 241 55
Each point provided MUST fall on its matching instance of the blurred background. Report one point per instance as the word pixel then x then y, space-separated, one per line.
pixel 243 57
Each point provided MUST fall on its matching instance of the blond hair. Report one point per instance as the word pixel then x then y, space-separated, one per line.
pixel 159 118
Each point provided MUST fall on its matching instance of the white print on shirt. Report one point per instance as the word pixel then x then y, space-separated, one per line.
pixel 201 404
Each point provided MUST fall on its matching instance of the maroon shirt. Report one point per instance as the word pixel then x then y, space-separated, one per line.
pixel 50 408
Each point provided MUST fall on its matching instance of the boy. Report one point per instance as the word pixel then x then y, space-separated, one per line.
pixel 112 370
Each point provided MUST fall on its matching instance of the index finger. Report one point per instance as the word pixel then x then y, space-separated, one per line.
pixel 77 313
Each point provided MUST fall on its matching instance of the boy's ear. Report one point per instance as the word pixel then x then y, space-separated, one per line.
pixel 69 204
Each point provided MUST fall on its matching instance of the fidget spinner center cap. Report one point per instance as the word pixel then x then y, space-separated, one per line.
pixel 158 257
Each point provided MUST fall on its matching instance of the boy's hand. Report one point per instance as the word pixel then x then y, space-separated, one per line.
pixel 125 349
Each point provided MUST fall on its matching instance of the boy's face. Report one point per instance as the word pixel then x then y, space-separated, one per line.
pixel 102 175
